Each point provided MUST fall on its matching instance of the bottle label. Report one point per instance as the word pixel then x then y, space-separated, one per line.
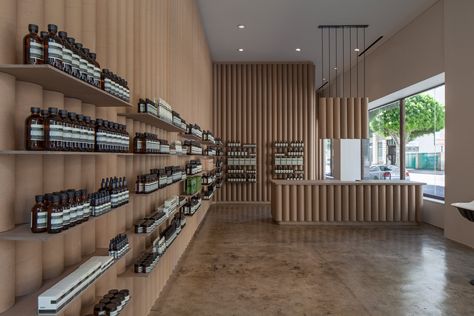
pixel 41 220
pixel 55 52
pixel 57 220
pixel 66 216
pixel 37 132
pixel 36 51
pixel 55 132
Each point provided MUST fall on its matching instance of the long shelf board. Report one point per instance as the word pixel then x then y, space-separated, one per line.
pixel 191 137
pixel 152 120
pixel 53 79
pixel 159 189
pixel 28 304
pixel 23 232
pixel 64 153
pixel 130 271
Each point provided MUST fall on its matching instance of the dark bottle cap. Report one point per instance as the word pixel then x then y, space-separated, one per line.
pixel 80 117
pixel 113 291
pixel 70 194
pixel 39 198
pixel 33 28
pixel 72 115
pixel 79 45
pixel 35 110
pixel 53 198
pixel 99 307
pixel 71 40
pixel 87 119
pixel 64 197
pixel 104 301
pixel 93 56
pixel 63 113
pixel 52 28
pixel 111 307
pixel 77 194
pixel 86 50
pixel 43 34
pixel 63 34
pixel 99 121
pixel 53 111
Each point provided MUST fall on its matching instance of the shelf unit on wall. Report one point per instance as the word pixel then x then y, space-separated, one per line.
pixel 65 86
pixel 241 162
pixel 288 160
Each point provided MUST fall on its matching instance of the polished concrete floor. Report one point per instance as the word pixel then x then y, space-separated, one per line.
pixel 241 264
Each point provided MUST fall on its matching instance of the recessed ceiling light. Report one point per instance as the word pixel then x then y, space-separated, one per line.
pixel 335 68
pixel 356 50
pixel 241 26
pixel 324 79
pixel 240 49
pixel 298 49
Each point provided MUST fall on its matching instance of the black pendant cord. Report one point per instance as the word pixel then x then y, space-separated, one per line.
pixel 329 62
pixel 337 79
pixel 343 60
pixel 357 63
pixel 365 92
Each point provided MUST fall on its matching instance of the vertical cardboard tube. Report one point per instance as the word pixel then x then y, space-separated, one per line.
pixel 330 203
pixel 322 118
pixel 315 208
pixel 382 203
pixel 308 205
pixel 28 263
pixel 7 274
pixel 337 203
pixel 323 203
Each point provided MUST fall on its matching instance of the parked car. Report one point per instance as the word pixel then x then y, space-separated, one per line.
pixel 386 172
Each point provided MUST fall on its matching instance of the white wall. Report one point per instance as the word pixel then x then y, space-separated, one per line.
pixel 347 159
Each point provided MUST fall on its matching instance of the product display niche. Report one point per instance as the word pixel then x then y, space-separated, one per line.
pixel 288 160
pixel 241 162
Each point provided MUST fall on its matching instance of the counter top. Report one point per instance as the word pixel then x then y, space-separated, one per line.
pixel 338 182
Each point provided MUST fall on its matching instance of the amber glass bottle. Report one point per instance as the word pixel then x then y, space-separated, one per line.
pixel 76 59
pixel 39 216
pixel 53 48
pixel 53 130
pixel 67 53
pixel 55 215
pixel 96 70
pixel 33 46
pixel 34 134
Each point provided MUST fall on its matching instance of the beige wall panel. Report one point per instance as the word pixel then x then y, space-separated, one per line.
pixel 396 203
pixel 403 203
pixel 330 117
pixel 350 118
pixel 8 38
pixel 357 118
pixel 322 121
pixel 323 204
pixel 7 207
pixel 7 110
pixel 343 120
pixel 7 274
pixel 360 203
pixel 352 203
pixel 53 257
pixel 315 208
pixel 28 266
pixel 411 204
pixel 308 204
pixel 286 204
pixel 293 204
pixel 337 118
pixel 389 202
pixel 54 12
pixel 368 210
pixel 300 203
pixel 88 26
pixel 383 203
pixel 375 203
pixel 364 112
pixel 337 203
pixel 345 203
pixel 330 203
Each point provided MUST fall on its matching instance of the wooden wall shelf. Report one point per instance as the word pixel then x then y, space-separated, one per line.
pixel 157 190
pixel 28 304
pixel 191 137
pixel 53 79
pixel 23 232
pixel 64 153
pixel 153 121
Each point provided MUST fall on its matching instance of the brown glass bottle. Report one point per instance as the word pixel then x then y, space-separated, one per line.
pixel 33 46
pixel 76 59
pixel 82 62
pixel 96 70
pixel 34 132
pixel 75 131
pixel 55 215
pixel 67 53
pixel 53 47
pixel 79 206
pixel 66 209
pixel 53 131
pixel 39 216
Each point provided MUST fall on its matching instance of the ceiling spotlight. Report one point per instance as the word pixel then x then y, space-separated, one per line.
pixel 241 26
pixel 324 79
pixel 335 68
pixel 356 50
pixel 298 49
pixel 240 49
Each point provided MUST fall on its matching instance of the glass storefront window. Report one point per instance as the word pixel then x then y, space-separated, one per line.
pixel 381 152
pixel 425 136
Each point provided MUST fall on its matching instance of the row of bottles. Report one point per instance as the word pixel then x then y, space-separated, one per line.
pixel 117 188
pixel 239 178
pixel 58 211
pixel 288 160
pixel 118 246
pixel 158 178
pixel 59 130
pixel 112 303
pixel 64 53
pixel 147 143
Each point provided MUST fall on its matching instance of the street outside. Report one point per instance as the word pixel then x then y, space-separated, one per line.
pixel 434 181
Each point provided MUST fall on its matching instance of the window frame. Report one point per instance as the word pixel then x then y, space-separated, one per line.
pixel 401 102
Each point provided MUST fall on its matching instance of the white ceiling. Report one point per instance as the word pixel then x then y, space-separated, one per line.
pixel 275 28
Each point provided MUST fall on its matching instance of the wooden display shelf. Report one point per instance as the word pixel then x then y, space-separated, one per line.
pixel 159 189
pixel 23 232
pixel 53 79
pixel 190 195
pixel 191 137
pixel 153 120
pixel 131 231
pixel 28 304
pixel 130 271
pixel 64 153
